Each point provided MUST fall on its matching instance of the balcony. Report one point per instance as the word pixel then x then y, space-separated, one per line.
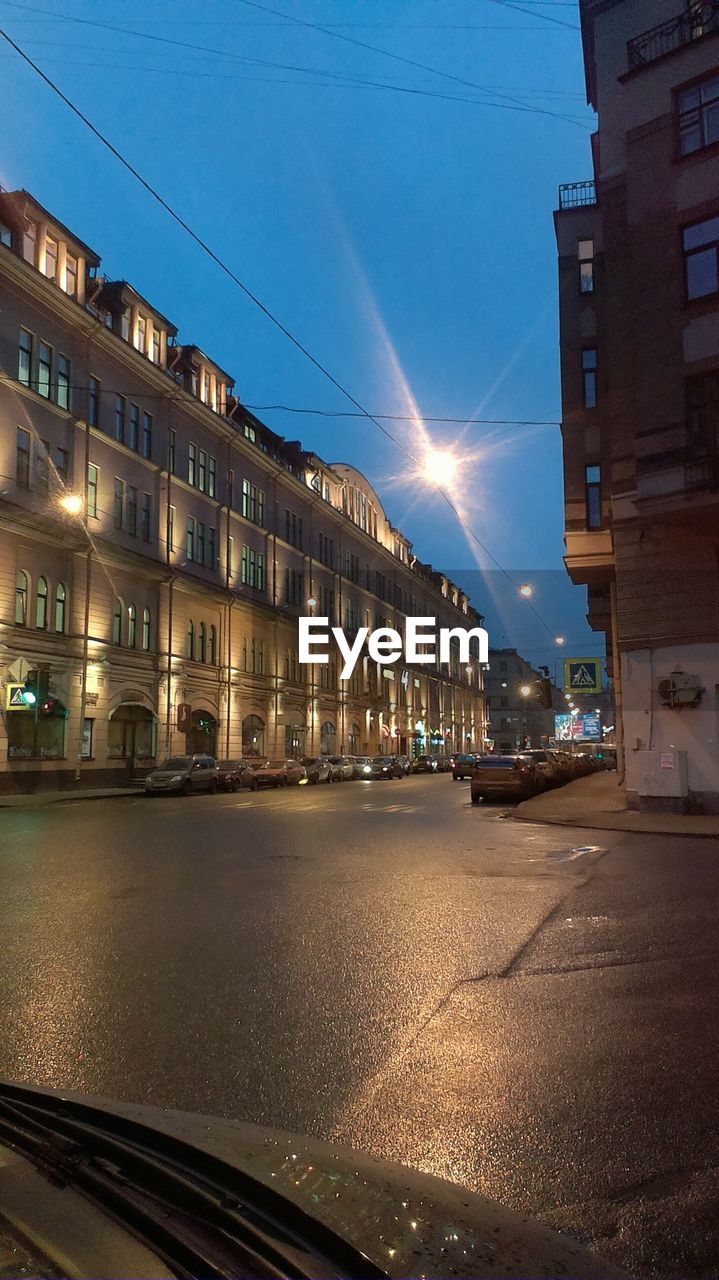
pixel 671 468
pixel 576 195
pixel 700 19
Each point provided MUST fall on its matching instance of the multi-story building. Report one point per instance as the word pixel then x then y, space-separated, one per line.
pixel 639 323
pixel 517 718
pixel 159 544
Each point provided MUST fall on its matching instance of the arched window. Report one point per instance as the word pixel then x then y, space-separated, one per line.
pixel 212 651
pixel 117 622
pixel 201 645
pixel 191 639
pixel 41 604
pixel 327 739
pixel 131 626
pixel 146 629
pixel 21 590
pixel 60 602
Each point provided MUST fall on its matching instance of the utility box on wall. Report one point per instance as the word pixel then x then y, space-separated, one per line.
pixel 663 777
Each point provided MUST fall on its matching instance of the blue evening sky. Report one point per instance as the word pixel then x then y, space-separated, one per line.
pixel 406 238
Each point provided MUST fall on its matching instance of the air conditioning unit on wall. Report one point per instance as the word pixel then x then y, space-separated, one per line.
pixel 680 690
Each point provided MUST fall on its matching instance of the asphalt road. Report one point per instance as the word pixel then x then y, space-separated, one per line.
pixel 531 1011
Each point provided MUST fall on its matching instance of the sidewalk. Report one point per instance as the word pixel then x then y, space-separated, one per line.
pixel 40 799
pixel 598 801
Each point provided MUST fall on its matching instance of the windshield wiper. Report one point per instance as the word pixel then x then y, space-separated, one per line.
pixel 202 1216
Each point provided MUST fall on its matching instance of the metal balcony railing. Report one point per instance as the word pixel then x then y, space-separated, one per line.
pixel 572 195
pixel 696 21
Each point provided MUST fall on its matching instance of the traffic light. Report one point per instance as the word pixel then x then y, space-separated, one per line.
pixel 545 692
pixel 29 694
pixel 52 707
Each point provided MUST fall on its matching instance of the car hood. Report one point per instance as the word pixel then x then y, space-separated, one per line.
pixel 407 1223
pixel 161 774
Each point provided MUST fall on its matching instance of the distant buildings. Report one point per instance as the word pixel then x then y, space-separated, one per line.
pixel 158 543
pixel 516 715
pixel 639 323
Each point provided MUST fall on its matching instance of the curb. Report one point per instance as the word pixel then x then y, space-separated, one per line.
pixel 28 802
pixel 627 831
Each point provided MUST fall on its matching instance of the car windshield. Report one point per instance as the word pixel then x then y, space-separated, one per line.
pixel 380 760
pixel 496 762
pixel 227 764
pixel 276 764
pixel 176 762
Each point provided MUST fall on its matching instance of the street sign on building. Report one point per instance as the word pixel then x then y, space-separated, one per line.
pixel 184 716
pixel 578 728
pixel 14 700
pixel 583 675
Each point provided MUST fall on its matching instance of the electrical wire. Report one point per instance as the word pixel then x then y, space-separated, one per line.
pixel 536 13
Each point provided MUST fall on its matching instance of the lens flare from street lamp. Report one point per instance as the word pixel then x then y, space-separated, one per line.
pixel 559 640
pixel 526 591
pixel 439 466
pixel 72 503
pixel 525 690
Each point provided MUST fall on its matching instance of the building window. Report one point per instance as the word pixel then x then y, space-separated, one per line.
pixel 51 250
pixel 585 256
pixel 42 466
pixel 156 346
pixel 211 551
pixel 700 244
pixel 125 324
pixel 141 334
pixel 293 528
pixel 200 541
pixel 93 476
pixel 71 275
pixel 120 419
pixel 117 622
pixel 294 587
pixel 22 462
pixel 134 427
pixel 147 435
pixel 593 496
pixel 698 110
pixel 201 635
pixel 5 235
pixel 60 602
pixel 211 477
pixel 212 646
pixel 93 402
pixel 589 377
pixel 191 640
pixel 190 549
pixel 118 502
pixel 702 408
pixel 41 604
pixel 171 446
pixel 132 510
pixel 131 626
pixel 253 503
pixel 62 461
pixel 192 464
pixel 21 594
pixel 63 382
pixel 171 529
pixel 250 434
pixel 29 242
pixel 202 470
pixel 146 518
pixel 146 629
pixel 44 370
pixel 24 369
pixel 252 568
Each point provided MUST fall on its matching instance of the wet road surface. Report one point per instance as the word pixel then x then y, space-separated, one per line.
pixel 528 1010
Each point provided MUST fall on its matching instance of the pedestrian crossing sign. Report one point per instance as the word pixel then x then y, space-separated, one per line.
pixel 583 675
pixel 14 700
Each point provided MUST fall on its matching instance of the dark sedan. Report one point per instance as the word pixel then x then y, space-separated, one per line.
pixel 463 767
pixel 233 774
pixel 424 764
pixel 504 778
pixel 383 767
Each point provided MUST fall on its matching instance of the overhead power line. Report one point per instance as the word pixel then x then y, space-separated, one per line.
pixel 536 13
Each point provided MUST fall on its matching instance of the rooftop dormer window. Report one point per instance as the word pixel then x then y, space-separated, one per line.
pixel 141 334
pixel 29 242
pixel 71 275
pixel 51 257
pixel 155 346
pixel 5 235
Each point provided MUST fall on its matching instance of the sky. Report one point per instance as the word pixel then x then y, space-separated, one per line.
pixel 396 218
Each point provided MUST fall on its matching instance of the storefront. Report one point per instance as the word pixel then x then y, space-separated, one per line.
pixel 201 734
pixel 295 737
pixel 328 739
pixel 131 735
pixel 37 731
pixel 253 736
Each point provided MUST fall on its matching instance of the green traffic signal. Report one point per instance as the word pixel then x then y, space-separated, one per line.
pixel 29 697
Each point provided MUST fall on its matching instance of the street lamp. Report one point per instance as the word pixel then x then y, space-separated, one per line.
pixel 72 503
pixel 311 601
pixel 560 640
pixel 525 690
pixel 439 466
pixel 526 591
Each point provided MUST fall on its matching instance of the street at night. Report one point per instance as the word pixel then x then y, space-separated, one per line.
pixel 526 1010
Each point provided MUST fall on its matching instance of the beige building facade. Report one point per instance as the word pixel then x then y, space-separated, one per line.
pixel 158 544
pixel 639 332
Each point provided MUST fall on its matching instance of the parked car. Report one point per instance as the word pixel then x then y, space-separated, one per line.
pixel 180 775
pixel 547 764
pixel 404 763
pixel 318 769
pixel 361 766
pixel 384 767
pixel 279 773
pixel 424 764
pixel 463 766
pixel 233 774
pixel 444 764
pixel 343 768
pixel 504 778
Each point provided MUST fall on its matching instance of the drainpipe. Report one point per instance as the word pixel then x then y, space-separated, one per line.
pixel 616 657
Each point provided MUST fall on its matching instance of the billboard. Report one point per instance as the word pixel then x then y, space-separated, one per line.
pixel 583 675
pixel 585 727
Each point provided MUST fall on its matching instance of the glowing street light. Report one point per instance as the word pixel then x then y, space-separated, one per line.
pixel 312 601
pixel 559 640
pixel 439 466
pixel 525 690
pixel 72 503
pixel 526 591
